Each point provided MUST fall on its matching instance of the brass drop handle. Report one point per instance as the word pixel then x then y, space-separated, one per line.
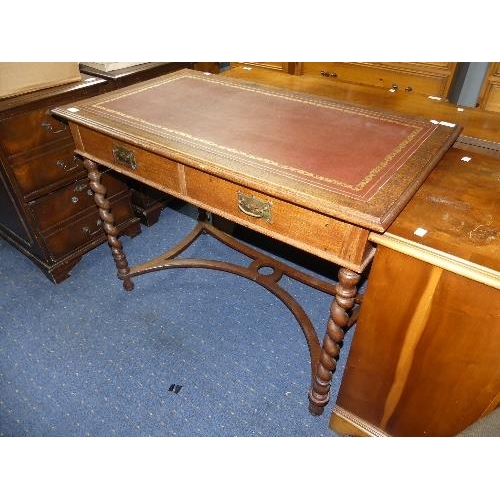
pixel 408 89
pixel 255 207
pixel 327 74
pixel 62 164
pixel 50 128
pixel 124 156
pixel 394 86
pixel 90 233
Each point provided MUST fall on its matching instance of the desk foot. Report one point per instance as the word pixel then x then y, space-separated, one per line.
pixel 343 302
pixel 108 220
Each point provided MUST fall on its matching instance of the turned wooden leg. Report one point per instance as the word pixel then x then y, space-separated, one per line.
pixel 107 218
pixel 343 302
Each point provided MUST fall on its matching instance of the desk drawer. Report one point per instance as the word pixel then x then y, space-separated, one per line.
pixel 46 172
pixel 321 235
pixel 71 200
pixel 149 167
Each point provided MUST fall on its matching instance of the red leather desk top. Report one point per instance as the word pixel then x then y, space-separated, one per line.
pixel 328 150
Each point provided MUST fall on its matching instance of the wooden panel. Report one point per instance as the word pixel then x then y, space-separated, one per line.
pixel 489 98
pixel 492 97
pixel 431 365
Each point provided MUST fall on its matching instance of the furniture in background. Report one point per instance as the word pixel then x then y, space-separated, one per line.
pixel 147 201
pixel 428 78
pixel 47 209
pixel 425 357
pixel 438 80
pixel 490 93
pixel 285 67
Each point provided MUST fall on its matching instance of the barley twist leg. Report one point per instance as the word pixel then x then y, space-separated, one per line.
pixel 343 302
pixel 107 218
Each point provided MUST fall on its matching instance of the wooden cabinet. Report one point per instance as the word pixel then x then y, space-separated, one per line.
pixel 489 99
pixel 428 78
pixel 425 356
pixel 285 67
pixel 147 201
pixel 47 209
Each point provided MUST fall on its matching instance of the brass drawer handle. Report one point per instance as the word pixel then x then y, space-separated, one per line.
pixel 327 74
pixel 124 156
pixel 90 233
pixel 50 128
pixel 255 207
pixel 62 164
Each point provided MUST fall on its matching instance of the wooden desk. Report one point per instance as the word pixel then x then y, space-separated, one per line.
pixel 314 173
pixel 431 365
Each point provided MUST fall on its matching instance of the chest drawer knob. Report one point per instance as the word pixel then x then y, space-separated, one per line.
pixel 74 199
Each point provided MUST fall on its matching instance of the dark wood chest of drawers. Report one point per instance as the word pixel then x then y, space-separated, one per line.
pixel 46 206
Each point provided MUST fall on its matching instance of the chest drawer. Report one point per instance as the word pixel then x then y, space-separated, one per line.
pixel 26 131
pixel 46 172
pixel 85 230
pixel 71 200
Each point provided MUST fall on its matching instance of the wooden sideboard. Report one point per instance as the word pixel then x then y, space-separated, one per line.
pixel 425 356
pixel 428 78
pixel 47 209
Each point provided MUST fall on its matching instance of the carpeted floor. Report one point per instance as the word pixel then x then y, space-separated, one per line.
pixel 188 352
